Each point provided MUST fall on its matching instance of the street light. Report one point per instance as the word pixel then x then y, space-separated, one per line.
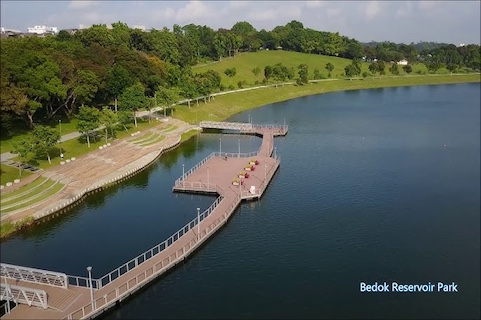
pixel 198 223
pixel 8 294
pixel 239 147
pixel 265 172
pixel 220 147
pixel 208 178
pixel 89 269
pixel 275 154
pixel 60 142
pixel 183 177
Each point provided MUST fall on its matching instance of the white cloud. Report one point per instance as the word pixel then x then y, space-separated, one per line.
pixel 278 13
pixel 372 9
pixel 239 4
pixel 315 3
pixel 162 14
pixel 193 10
pixel 81 4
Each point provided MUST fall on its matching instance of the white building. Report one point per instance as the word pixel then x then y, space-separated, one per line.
pixel 403 62
pixel 42 30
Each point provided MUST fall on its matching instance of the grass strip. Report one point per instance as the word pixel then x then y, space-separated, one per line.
pixel 189 134
pixel 52 191
pixel 156 140
pixel 148 136
pixel 47 185
pixel 24 189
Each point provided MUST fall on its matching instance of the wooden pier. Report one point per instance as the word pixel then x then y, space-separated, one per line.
pixel 42 294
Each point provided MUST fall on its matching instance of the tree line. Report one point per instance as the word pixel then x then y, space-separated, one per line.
pixel 128 69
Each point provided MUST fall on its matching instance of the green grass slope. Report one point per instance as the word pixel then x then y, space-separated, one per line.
pixel 245 62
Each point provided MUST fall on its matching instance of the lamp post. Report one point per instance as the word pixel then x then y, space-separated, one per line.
pixel 198 223
pixel 220 147
pixel 89 269
pixel 60 141
pixel 8 295
pixel 183 176
pixel 239 147
pixel 208 184
pixel 275 153
pixel 249 118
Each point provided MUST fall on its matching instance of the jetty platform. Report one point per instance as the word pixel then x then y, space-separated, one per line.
pixel 42 294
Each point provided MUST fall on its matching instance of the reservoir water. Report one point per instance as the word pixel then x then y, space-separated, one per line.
pixel 375 185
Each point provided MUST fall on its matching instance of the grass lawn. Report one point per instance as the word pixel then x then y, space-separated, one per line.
pixel 244 63
pixel 189 134
pixel 67 126
pixel 224 106
pixel 8 174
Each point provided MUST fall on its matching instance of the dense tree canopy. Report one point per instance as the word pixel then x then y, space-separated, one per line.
pixel 44 78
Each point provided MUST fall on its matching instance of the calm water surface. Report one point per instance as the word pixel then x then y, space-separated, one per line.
pixel 374 185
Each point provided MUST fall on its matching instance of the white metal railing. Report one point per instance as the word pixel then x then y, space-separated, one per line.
pixel 51 278
pixel 188 173
pixel 225 125
pixel 138 280
pixel 236 154
pixel 196 186
pixel 126 267
pixel 17 294
pixel 82 282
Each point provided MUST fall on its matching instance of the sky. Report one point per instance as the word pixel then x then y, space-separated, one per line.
pixel 456 22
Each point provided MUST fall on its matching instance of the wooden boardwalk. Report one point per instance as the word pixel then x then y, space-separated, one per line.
pixel 215 174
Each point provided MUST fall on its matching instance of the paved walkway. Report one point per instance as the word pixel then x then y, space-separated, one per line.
pixel 101 167
pixel 75 302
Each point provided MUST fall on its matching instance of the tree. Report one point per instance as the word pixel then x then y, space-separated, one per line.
pixel 86 86
pixel 125 117
pixel 373 67
pixel 230 72
pixel 394 69
pixel 452 67
pixel 354 69
pixel 118 79
pixel 166 97
pixel 380 67
pixel 267 73
pixel 303 73
pixel 407 68
pixel 88 121
pixel 133 99
pixel 189 90
pixel 329 67
pixel 22 147
pixel 43 139
pixel 256 71
pixel 108 119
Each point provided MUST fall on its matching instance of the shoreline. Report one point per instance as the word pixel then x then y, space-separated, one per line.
pixel 354 84
pixel 112 178
pixel 241 100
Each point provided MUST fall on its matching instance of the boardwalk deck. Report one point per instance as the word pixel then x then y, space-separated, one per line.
pixel 214 175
